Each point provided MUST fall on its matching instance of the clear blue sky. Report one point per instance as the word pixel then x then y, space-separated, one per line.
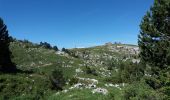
pixel 70 23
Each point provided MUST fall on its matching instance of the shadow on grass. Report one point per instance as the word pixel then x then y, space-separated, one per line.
pixel 12 69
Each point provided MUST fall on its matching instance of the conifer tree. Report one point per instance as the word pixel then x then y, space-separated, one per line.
pixel 5 55
pixel 55 48
pixel 154 44
pixel 154 38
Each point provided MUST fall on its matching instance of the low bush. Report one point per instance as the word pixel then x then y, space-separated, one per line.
pixel 140 91
pixel 57 79
pixel 73 80
pixel 91 71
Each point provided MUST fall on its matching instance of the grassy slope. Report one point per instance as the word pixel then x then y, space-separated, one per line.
pixel 41 62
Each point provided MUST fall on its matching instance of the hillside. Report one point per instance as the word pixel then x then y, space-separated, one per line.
pixel 87 70
pixel 110 71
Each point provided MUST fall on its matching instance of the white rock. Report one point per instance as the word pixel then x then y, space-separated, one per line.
pixel 78 70
pixel 91 86
pixel 60 52
pixel 94 81
pixel 148 75
pixel 65 91
pixel 78 85
pixel 109 85
pixel 71 88
pixel 57 93
pixel 100 90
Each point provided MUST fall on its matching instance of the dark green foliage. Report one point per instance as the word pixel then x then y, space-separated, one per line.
pixel 140 91
pixel 24 87
pixel 111 65
pixel 45 45
pixel 110 68
pixel 154 44
pixel 91 71
pixel 115 79
pixel 55 48
pixel 130 72
pixel 12 39
pixel 154 38
pixel 127 72
pixel 153 82
pixel 73 80
pixel 166 91
pixel 6 64
pixel 65 50
pixel 57 79
pixel 71 53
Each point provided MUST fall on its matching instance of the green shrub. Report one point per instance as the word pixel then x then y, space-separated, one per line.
pixel 57 79
pixel 131 72
pixel 73 80
pixel 91 71
pixel 45 45
pixel 111 65
pixel 140 91
pixel 153 82
pixel 166 92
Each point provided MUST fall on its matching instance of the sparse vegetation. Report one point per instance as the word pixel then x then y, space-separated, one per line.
pixel 107 72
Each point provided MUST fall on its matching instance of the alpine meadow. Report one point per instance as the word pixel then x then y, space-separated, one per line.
pixel 97 58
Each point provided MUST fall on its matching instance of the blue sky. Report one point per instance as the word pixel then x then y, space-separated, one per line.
pixel 70 23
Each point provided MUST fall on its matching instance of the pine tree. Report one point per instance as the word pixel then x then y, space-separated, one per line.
pixel 154 38
pixel 6 64
pixel 55 48
pixel 46 45
pixel 154 44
